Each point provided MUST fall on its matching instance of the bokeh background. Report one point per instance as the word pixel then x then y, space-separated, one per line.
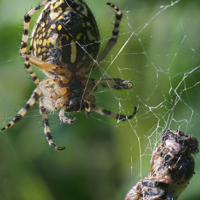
pixel 159 50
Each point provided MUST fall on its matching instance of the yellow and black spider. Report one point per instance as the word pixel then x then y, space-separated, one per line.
pixel 65 44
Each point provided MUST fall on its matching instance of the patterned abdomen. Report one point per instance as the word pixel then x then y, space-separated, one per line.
pixel 66 34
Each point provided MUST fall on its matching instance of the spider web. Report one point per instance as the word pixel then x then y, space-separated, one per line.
pixel 160 54
pixel 158 50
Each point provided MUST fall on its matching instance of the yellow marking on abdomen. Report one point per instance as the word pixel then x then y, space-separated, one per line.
pixel 73 52
pixel 79 36
pixel 44 42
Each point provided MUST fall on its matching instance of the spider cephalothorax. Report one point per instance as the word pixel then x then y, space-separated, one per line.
pixel 65 45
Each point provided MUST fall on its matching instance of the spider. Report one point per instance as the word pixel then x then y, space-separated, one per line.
pixel 172 166
pixel 64 45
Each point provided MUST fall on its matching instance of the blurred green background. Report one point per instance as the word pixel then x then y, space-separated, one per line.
pixel 159 50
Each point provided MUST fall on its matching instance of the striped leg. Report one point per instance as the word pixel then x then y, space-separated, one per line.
pixel 28 67
pixel 47 130
pixel 35 95
pixel 27 18
pixel 115 83
pixel 113 40
pixel 120 117
pixel 23 48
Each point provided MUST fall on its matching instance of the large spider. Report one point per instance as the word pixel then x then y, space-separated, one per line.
pixel 65 44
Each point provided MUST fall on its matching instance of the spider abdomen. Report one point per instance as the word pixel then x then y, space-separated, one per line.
pixel 66 35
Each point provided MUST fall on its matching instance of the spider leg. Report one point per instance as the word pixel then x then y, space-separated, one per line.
pixel 115 83
pixel 87 109
pixel 27 18
pixel 35 95
pixel 120 117
pixel 113 40
pixel 47 130
pixel 63 118
pixel 28 67
pixel 46 66
pixel 23 47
